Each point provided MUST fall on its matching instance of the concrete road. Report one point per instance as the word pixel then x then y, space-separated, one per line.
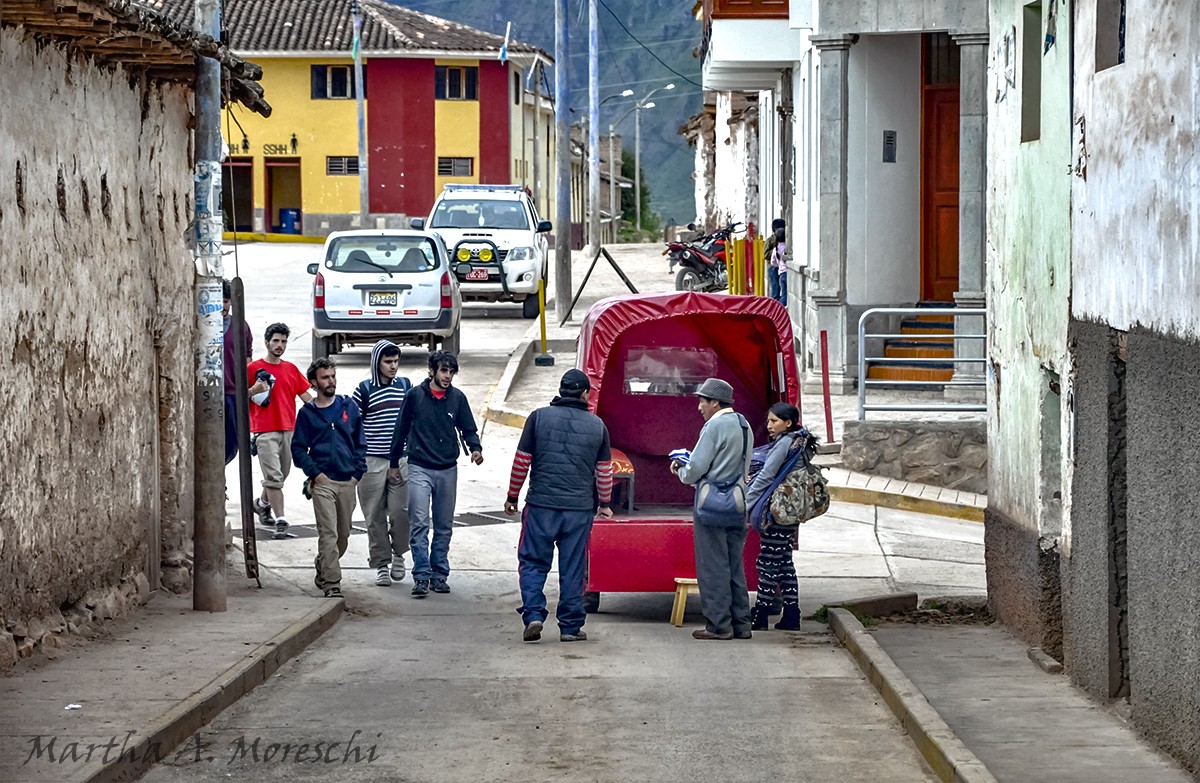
pixel 442 689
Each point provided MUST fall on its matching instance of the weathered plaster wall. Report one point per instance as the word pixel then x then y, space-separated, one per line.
pixel 1138 208
pixel 901 16
pixel 1028 258
pixel 1163 383
pixel 96 323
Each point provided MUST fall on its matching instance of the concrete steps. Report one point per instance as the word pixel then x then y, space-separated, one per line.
pixel 926 337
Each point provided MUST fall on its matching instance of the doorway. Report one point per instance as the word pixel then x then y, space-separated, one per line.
pixel 939 167
pixel 283 195
pixel 237 194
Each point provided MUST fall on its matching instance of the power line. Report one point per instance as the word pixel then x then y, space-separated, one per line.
pixel 647 48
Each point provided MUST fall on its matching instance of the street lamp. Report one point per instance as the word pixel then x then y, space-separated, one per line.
pixel 643 103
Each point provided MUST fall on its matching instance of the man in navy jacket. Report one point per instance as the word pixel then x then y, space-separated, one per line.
pixel 435 417
pixel 329 446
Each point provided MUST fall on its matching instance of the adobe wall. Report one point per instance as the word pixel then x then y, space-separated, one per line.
pixel 97 323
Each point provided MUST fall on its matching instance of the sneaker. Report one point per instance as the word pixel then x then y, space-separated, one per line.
pixel 281 528
pixel 382 577
pixel 533 632
pixel 266 517
pixel 440 586
pixel 333 591
pixel 398 570
pixel 420 588
pixel 578 636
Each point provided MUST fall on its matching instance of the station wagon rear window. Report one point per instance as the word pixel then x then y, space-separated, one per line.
pixel 483 213
pixel 382 254
pixel 669 372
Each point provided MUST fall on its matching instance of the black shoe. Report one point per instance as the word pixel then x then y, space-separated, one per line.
pixel 439 586
pixel 319 582
pixel 533 632
pixel 420 588
pixel 790 620
pixel 760 617
pixel 578 636
pixel 266 517
pixel 742 634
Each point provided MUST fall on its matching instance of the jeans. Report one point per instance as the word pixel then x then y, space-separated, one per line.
pixel 782 287
pixel 231 433
pixel 431 497
pixel 385 506
pixel 773 279
pixel 541 529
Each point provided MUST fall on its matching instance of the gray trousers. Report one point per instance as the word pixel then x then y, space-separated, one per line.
pixel 385 507
pixel 431 497
pixel 721 574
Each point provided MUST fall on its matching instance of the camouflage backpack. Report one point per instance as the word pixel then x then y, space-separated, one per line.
pixel 802 495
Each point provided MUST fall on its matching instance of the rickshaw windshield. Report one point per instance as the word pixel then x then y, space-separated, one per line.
pixel 670 371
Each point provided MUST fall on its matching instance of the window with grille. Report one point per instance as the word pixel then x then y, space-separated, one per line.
pixel 454 83
pixel 336 165
pixel 335 82
pixel 455 167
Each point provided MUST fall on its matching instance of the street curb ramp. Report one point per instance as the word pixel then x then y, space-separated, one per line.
pixel 197 710
pixel 949 758
pixel 496 408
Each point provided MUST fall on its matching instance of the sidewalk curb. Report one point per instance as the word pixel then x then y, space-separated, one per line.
pixel 949 758
pixel 495 409
pixel 163 735
pixel 874 497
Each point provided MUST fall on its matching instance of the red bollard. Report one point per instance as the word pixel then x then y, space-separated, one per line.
pixel 825 386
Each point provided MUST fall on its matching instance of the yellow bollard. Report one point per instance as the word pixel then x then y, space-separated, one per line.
pixel 760 267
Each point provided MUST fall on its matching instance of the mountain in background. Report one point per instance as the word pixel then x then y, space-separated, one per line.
pixel 666 27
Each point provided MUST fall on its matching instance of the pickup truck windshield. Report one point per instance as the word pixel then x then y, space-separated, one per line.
pixel 482 213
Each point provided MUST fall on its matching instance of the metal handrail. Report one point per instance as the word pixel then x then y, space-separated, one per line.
pixel 864 360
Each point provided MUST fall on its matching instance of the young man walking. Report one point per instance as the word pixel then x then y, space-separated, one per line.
pixel 330 448
pixel 721 459
pixel 435 416
pixel 274 386
pixel 383 492
pixel 565 450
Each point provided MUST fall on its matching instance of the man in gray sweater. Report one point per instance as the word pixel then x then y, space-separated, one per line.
pixel 721 457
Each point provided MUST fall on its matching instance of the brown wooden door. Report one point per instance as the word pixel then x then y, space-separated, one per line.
pixel 939 193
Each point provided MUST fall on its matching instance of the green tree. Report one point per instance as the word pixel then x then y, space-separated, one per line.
pixel 651 222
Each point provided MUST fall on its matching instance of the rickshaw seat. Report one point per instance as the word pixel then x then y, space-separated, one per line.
pixel 622 470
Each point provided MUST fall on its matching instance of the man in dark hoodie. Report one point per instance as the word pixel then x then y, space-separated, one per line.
pixel 383 492
pixel 434 417
pixel 565 450
pixel 328 445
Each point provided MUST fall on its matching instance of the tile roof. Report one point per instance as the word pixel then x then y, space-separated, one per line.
pixel 324 25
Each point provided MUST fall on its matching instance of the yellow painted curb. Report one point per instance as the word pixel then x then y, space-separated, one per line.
pixel 873 497
pixel 279 238
pixel 505 417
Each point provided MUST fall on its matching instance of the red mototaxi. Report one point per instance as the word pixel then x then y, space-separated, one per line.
pixel 645 355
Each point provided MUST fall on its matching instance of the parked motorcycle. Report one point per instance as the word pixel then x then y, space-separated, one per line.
pixel 701 261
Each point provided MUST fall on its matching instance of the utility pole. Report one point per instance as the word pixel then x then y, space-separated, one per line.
pixel 637 167
pixel 612 184
pixel 594 126
pixel 537 125
pixel 364 194
pixel 562 153
pixel 208 536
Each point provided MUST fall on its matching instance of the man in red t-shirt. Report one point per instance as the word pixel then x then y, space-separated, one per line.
pixel 274 387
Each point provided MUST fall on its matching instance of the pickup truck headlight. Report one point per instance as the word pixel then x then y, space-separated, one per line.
pixel 522 254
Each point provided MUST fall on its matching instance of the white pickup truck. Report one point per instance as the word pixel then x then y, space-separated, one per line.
pixel 497 242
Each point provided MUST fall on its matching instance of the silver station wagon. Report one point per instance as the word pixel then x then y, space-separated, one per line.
pixel 386 284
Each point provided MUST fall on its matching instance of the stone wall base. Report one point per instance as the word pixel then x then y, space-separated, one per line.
pixel 944 454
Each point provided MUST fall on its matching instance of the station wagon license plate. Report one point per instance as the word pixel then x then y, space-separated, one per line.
pixel 477 274
pixel 381 298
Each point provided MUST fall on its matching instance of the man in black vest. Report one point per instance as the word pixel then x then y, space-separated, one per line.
pixel 565 450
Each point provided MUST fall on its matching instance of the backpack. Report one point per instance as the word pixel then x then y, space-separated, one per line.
pixel 364 390
pixel 803 494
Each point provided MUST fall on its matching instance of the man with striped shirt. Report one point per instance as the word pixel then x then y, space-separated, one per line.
pixel 564 449
pixel 383 492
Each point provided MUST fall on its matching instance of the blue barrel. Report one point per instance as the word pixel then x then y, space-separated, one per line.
pixel 289 221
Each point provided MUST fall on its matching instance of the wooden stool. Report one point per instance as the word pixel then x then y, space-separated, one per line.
pixel 683 587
